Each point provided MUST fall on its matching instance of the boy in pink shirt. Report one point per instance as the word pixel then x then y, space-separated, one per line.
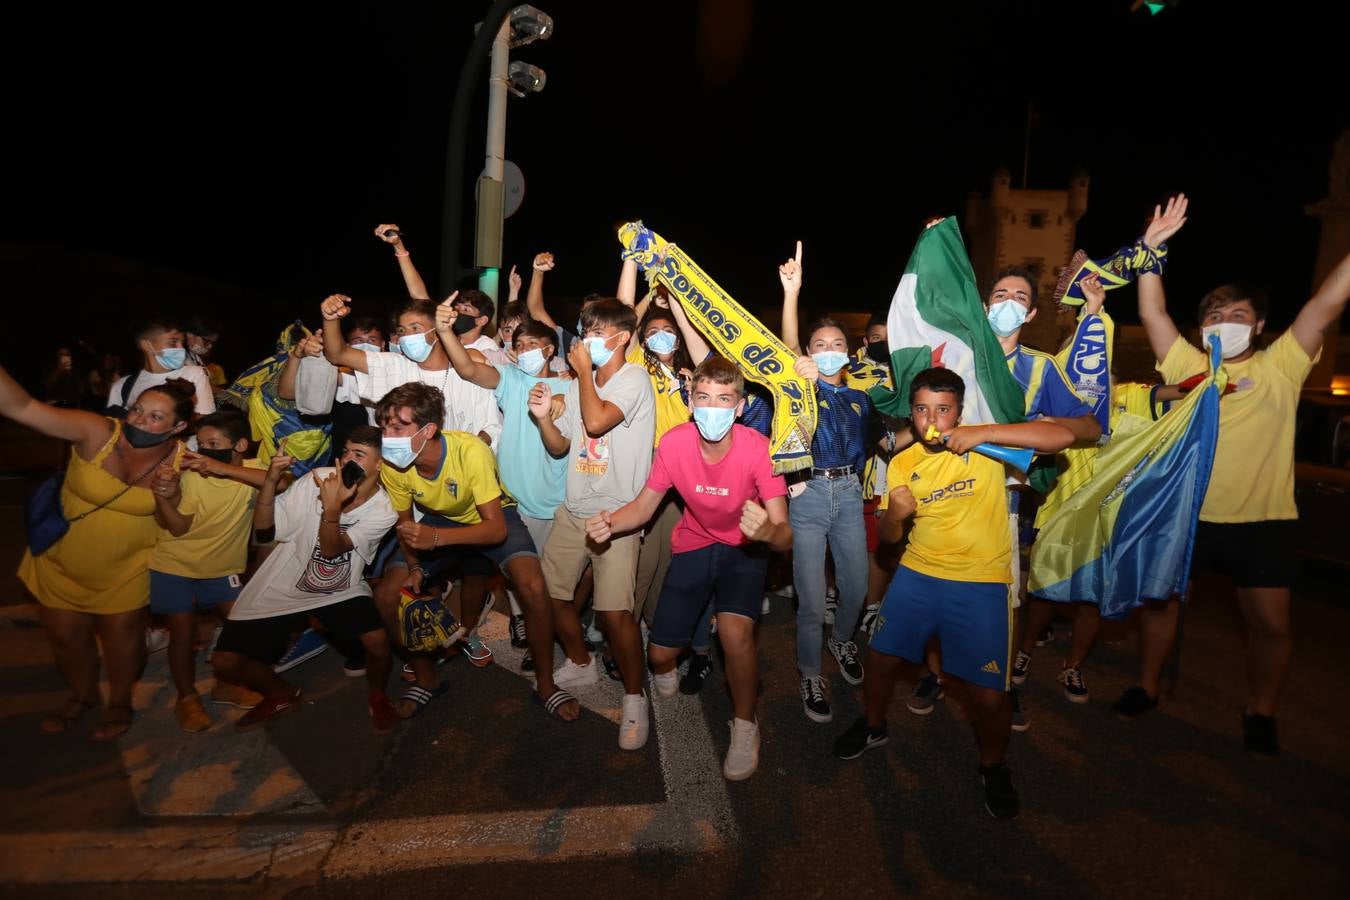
pixel 734 505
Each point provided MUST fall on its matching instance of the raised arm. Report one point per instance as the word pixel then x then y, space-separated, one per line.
pixel 88 430
pixel 481 374
pixel 534 298
pixel 335 348
pixel 1158 325
pixel 693 341
pixel 598 416
pixel 391 235
pixel 790 274
pixel 264 507
pixel 541 410
pixel 1042 435
pixel 310 346
pixel 211 468
pixel 1324 309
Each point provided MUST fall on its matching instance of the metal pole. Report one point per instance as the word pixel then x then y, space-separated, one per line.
pixel 495 151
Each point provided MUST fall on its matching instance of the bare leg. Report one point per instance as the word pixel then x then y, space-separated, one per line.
pixel 883 672
pixel 182 656
pixel 1270 645
pixel 1087 621
pixel 1157 634
pixel 528 578
pixel 71 635
pixel 991 719
pixel 625 640
pixel 737 634
pixel 1035 618
pixel 251 673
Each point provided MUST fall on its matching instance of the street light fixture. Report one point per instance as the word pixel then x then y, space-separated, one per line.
pixel 523 78
pixel 529 25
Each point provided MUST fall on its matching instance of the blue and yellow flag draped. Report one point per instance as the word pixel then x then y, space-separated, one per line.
pixel 1126 536
pixel 738 336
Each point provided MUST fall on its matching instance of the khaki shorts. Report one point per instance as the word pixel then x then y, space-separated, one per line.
pixel 614 563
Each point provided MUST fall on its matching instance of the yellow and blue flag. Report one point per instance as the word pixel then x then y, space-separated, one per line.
pixel 1127 535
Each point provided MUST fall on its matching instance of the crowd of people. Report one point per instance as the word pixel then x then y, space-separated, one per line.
pixel 611 487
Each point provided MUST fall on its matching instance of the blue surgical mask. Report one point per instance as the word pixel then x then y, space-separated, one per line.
pixel 394 348
pixel 531 362
pixel 398 451
pixel 415 347
pixel 368 348
pixel 661 342
pixel 830 362
pixel 600 354
pixel 1006 316
pixel 714 421
pixel 171 357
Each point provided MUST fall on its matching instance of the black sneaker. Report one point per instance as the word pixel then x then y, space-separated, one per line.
pixel 1258 735
pixel 1000 797
pixel 1134 703
pixel 1075 688
pixel 1021 665
pixel 1020 722
pixel 813 699
pixel 925 695
pixel 527 662
pixel 869 619
pixel 1045 636
pixel 518 632
pixel 700 664
pixel 859 739
pixel 846 654
pixel 355 666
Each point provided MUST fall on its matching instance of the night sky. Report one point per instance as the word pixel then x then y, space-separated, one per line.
pixel 257 148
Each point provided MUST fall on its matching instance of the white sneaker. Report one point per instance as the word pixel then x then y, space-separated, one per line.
pixel 156 639
pixel 787 592
pixel 766 607
pixel 570 675
pixel 668 683
pixel 593 634
pixel 743 754
pixel 636 725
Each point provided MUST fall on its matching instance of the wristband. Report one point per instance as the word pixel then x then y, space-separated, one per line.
pixel 402 255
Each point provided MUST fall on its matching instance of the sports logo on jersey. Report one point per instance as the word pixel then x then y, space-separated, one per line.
pixel 991 667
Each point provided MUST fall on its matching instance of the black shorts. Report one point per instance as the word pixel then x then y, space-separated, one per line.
pixel 1253 554
pixel 266 639
pixel 731 577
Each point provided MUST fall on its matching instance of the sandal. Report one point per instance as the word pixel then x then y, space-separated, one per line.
pixel 554 704
pixel 72 712
pixel 612 669
pixel 420 697
pixel 116 722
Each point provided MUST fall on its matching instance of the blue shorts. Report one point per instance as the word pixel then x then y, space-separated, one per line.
pixel 971 620
pixel 171 594
pixel 731 577
pixel 463 559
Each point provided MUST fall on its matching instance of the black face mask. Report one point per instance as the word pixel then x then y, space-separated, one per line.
pixel 352 473
pixel 879 351
pixel 220 456
pixel 140 438
pixel 464 324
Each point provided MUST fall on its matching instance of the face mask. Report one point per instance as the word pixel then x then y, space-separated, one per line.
pixel 830 362
pixel 531 362
pixel 398 451
pixel 661 342
pixel 879 352
pixel 171 357
pixel 600 354
pixel 464 324
pixel 714 421
pixel 220 456
pixel 352 473
pixel 395 348
pixel 415 347
pixel 140 438
pixel 198 349
pixel 1234 337
pixel 1006 316
pixel 367 347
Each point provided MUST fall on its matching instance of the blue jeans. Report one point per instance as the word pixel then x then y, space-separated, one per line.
pixel 827 511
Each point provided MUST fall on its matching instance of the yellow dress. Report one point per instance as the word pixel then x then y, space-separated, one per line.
pixel 101 565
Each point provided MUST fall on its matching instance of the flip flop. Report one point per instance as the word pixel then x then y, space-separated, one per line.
pixel 113 726
pixel 72 712
pixel 420 696
pixel 556 701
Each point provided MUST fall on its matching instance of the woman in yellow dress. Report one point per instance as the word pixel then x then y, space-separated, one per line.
pixel 95 581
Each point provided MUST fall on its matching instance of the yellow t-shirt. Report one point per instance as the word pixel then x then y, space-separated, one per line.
pixel 1253 475
pixel 960 529
pixel 1133 398
pixel 467 479
pixel 671 408
pixel 216 544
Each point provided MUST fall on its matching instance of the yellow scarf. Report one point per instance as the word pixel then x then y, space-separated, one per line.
pixel 738 336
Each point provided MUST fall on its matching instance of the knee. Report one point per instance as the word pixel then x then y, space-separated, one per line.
pixel 736 634
pixel 661 657
pixel 226 665
pixel 376 643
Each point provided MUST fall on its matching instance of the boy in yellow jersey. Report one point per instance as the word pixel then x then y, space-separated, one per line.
pixel 953 582
pixel 451 476
pixel 202 552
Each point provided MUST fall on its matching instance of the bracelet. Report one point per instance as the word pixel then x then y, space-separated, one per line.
pixel 337 521
pixel 405 253
pixel 268 503
pixel 417 568
pixel 435 538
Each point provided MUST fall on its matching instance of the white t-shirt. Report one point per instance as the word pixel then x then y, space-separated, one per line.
pixel 467 406
pixel 490 349
pixel 609 471
pixel 348 392
pixel 295 577
pixel 203 405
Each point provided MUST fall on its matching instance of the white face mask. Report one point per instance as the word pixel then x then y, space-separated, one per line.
pixel 1234 337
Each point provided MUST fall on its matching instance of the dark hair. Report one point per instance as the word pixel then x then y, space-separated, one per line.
pixel 513 310
pixel 531 328
pixel 363 323
pixel 944 381
pixel 230 422
pixel 875 319
pixel 1227 295
pixel 1014 272
pixel 479 301
pixel 719 371
pixel 606 312
pixel 824 322
pixel 650 359
pixel 182 392
pixel 366 435
pixel 426 403
pixel 418 307
pixel 153 325
pixel 202 327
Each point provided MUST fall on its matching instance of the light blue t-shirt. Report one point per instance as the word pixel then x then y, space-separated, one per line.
pixel 537 480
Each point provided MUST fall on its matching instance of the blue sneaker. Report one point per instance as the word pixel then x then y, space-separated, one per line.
pixel 307 646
